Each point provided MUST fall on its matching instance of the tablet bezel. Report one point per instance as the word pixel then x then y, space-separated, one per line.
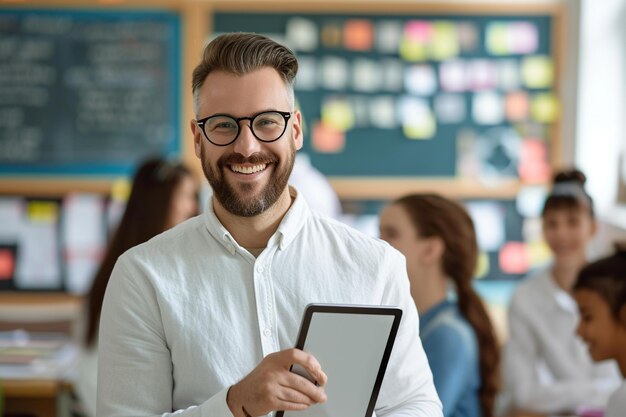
pixel 355 309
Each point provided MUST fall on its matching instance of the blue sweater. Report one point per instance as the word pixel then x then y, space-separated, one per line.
pixel 452 350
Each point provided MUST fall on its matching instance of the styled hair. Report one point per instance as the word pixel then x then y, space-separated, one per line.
pixel 241 53
pixel 568 193
pixel 607 278
pixel 146 215
pixel 435 216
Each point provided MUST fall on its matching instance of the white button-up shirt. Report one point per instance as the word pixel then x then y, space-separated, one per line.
pixel 191 312
pixel 547 368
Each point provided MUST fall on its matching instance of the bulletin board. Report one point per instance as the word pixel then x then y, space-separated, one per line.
pixel 87 92
pixel 415 96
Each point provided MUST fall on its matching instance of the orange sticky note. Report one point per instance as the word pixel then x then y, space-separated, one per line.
pixel 327 139
pixel 516 106
pixel 358 35
pixel 7 264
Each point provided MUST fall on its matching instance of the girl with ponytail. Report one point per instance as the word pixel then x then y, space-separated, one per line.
pixel 547 369
pixel 437 237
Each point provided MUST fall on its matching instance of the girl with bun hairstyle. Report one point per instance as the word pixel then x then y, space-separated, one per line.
pixel 600 293
pixel 546 366
pixel 437 237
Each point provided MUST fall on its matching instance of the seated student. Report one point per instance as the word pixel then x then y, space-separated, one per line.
pixel 600 293
pixel 546 368
pixel 437 238
pixel 163 195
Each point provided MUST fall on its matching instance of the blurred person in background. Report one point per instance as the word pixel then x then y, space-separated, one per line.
pixel 163 194
pixel 546 366
pixel 437 237
pixel 600 293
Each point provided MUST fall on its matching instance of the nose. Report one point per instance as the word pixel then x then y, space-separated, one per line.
pixel 246 144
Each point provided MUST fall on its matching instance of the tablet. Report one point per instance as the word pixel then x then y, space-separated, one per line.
pixel 352 343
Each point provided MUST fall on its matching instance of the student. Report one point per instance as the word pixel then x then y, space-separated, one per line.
pixel 163 194
pixel 546 368
pixel 202 320
pixel 438 239
pixel 600 293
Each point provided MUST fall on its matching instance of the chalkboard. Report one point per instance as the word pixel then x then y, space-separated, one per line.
pixel 87 92
pixel 373 83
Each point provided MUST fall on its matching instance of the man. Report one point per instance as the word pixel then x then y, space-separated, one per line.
pixel 201 319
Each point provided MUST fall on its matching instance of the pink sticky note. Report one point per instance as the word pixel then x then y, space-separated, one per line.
pixel 514 258
pixel 327 139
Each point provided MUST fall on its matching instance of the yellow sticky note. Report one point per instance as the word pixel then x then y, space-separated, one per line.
pixel 422 128
pixel 497 39
pixel 544 108
pixel 538 71
pixel 43 211
pixel 445 42
pixel 120 189
pixel 482 266
pixel 412 51
pixel 338 114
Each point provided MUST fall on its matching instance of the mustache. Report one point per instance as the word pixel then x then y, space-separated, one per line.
pixel 254 159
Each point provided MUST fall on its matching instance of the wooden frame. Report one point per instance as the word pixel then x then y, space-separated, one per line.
pixel 195 16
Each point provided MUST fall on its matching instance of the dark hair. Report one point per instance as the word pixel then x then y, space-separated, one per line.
pixel 146 215
pixel 241 53
pixel 434 215
pixel 607 278
pixel 568 193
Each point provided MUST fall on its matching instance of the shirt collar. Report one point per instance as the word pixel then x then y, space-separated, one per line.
pixel 288 229
pixel 561 297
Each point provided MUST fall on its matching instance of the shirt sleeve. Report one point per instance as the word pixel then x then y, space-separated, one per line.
pixel 407 388
pixel 134 364
pixel 452 364
pixel 521 376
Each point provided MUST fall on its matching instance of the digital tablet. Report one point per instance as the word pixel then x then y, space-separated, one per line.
pixel 352 343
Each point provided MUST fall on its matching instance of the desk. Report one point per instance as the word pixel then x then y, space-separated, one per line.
pixel 37 397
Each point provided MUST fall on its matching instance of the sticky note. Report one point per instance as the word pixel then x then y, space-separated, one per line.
pixel 337 113
pixel 450 108
pixel 418 121
pixel 509 74
pixel 537 71
pixel 516 105
pixel 382 112
pixel 307 73
pixel 514 258
pixel 392 75
pixel 544 108
pixel 334 74
pixel 326 139
pixel 445 44
pixel 496 38
pixel 420 80
pixel 388 36
pixel 467 34
pixel 523 38
pixel 483 74
pixel 482 265
pixel 452 75
pixel 534 166
pixel 331 35
pixel 539 253
pixel 366 75
pixel 358 35
pixel 7 263
pixel 42 211
pixel 412 51
pixel 487 108
pixel 488 218
pixel 302 34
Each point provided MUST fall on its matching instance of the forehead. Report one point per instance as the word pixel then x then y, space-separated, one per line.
pixel 589 299
pixel 395 215
pixel 243 95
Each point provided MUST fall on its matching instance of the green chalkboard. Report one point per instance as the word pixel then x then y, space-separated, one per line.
pixel 483 131
pixel 87 92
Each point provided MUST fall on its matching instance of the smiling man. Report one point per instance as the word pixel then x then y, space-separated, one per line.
pixel 201 320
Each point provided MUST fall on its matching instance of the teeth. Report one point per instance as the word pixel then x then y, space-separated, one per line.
pixel 248 170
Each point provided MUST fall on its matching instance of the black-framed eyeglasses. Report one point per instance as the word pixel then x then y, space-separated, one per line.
pixel 223 129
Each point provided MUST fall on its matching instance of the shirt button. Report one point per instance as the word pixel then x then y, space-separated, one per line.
pixel 267 332
pixel 260 269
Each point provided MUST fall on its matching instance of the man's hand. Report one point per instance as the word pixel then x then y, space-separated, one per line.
pixel 271 386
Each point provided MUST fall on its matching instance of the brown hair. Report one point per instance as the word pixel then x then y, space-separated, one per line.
pixel 241 53
pixel 607 278
pixel 568 193
pixel 146 215
pixel 434 215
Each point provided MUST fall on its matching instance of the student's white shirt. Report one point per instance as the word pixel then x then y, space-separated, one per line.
pixel 87 379
pixel 617 403
pixel 547 368
pixel 189 313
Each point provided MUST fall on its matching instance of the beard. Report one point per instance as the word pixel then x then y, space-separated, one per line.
pixel 240 199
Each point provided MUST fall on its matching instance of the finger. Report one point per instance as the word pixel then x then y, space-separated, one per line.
pixel 313 367
pixel 305 387
pixel 291 395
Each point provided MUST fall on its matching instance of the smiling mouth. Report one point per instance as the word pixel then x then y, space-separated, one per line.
pixel 248 170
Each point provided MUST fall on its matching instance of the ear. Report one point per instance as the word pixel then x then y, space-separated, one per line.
pixel 433 249
pixel 197 137
pixel 297 136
